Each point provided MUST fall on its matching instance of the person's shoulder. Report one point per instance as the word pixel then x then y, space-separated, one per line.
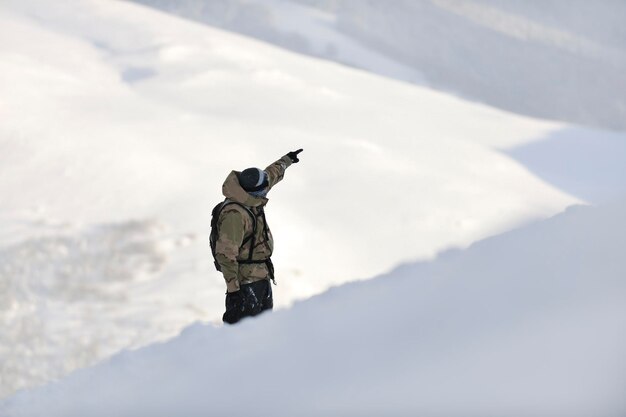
pixel 232 208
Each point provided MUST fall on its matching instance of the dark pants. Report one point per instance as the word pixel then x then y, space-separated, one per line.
pixel 250 300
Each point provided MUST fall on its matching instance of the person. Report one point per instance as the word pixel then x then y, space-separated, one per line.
pixel 244 244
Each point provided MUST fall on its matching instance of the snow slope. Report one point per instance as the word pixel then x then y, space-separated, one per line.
pixel 118 125
pixel 528 323
pixel 553 59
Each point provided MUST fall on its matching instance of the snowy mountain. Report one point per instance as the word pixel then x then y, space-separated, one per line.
pixel 118 124
pixel 553 59
pixel 529 323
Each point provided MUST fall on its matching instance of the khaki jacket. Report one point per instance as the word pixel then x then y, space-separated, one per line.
pixel 235 224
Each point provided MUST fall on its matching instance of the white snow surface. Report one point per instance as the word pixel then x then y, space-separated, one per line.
pixel 557 59
pixel 528 323
pixel 119 123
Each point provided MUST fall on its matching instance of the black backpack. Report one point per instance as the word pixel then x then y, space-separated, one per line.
pixel 215 215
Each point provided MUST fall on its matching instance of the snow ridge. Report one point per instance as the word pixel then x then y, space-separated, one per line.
pixel 527 323
pixel 567 58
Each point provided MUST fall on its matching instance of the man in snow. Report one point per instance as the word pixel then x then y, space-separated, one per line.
pixel 244 243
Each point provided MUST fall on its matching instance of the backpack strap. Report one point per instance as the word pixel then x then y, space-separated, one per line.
pixel 268 263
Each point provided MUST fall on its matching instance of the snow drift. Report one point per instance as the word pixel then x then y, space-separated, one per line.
pixel 528 323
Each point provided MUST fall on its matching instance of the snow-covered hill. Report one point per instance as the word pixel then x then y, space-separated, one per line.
pixel 119 123
pixel 554 59
pixel 529 323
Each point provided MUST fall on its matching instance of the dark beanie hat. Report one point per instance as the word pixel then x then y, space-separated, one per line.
pixel 253 179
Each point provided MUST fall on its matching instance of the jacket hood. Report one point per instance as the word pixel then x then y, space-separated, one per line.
pixel 234 192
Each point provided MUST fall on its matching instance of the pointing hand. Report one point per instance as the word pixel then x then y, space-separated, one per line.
pixel 294 156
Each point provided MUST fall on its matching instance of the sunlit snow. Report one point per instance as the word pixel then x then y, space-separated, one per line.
pixel 119 123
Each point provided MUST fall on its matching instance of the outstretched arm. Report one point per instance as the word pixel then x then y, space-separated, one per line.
pixel 276 171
